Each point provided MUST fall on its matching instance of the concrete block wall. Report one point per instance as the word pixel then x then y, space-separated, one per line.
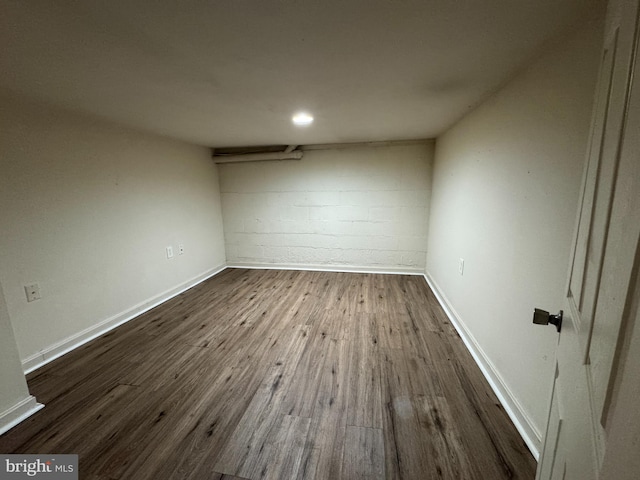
pixel 357 208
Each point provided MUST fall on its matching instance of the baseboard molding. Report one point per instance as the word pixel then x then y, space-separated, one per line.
pixel 518 416
pixel 327 268
pixel 18 413
pixel 56 350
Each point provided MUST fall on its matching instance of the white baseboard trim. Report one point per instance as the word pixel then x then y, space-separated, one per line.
pixel 518 416
pixel 327 268
pixel 56 350
pixel 18 413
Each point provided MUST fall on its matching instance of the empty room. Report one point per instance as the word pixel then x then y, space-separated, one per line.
pixel 320 240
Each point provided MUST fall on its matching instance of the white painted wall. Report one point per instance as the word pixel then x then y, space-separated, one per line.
pixel 15 401
pixel 505 193
pixel 87 211
pixel 349 208
pixel 14 386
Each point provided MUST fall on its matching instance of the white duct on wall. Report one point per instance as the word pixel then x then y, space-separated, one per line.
pixel 259 157
pixel 296 152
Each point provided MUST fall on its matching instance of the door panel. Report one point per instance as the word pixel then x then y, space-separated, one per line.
pixel 598 128
pixel 604 253
pixel 551 459
pixel 615 294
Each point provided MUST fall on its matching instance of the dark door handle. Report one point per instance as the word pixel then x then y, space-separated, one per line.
pixel 542 317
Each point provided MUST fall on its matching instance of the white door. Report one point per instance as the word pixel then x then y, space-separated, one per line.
pixel 600 287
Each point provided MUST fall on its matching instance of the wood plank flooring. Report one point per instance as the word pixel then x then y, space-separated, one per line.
pixel 268 374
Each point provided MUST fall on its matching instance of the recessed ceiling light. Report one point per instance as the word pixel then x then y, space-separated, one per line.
pixel 302 119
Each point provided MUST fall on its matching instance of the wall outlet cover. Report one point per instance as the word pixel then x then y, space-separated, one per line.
pixel 32 291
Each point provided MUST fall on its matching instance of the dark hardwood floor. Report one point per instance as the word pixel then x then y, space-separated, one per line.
pixel 282 375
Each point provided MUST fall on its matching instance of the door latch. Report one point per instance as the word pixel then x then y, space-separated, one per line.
pixel 542 317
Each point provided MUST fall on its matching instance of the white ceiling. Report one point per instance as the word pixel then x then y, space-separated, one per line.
pixel 232 72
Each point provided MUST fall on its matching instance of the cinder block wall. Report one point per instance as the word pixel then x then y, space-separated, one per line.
pixel 348 208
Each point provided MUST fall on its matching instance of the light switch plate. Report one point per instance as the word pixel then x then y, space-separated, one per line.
pixel 169 252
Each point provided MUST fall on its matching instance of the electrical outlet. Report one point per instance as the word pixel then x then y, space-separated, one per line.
pixel 33 292
pixel 169 252
pixel 461 266
pixel 181 249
